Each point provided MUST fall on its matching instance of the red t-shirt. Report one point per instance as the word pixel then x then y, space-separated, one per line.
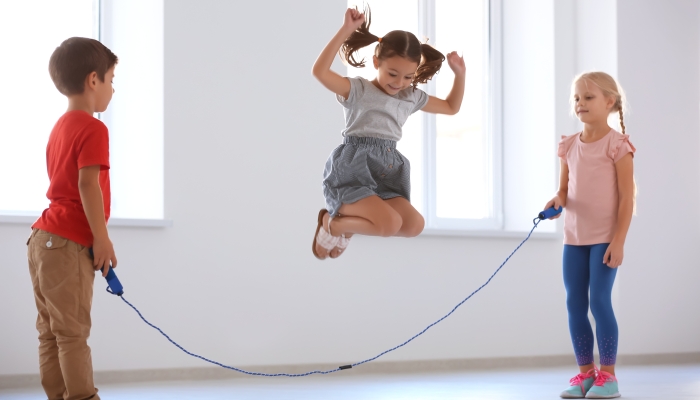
pixel 77 140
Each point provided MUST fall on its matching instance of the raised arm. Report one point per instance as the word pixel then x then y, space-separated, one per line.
pixel 322 67
pixel 452 103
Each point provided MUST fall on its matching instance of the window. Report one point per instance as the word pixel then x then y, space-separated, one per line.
pixel 31 104
pixel 455 160
pixel 133 30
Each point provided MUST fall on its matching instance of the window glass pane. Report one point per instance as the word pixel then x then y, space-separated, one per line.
pixel 133 30
pixel 30 105
pixel 389 15
pixel 462 149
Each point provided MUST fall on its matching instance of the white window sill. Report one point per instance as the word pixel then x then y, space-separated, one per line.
pixel 129 222
pixel 430 232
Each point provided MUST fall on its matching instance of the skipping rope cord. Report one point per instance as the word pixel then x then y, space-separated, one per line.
pixel 342 367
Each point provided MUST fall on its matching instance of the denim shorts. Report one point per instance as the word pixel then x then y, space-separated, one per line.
pixel 363 167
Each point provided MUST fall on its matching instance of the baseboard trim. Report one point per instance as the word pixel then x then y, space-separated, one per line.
pixel 379 367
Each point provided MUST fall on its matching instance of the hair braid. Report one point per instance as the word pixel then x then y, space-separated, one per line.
pixel 622 121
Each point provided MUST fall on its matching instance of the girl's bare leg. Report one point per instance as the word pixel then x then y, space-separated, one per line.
pixel 373 216
pixel 370 216
pixel 608 368
pixel 585 368
pixel 412 221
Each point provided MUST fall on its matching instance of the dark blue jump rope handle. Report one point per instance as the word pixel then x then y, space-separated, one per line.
pixel 549 213
pixel 115 287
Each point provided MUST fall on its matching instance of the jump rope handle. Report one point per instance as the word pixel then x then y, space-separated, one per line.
pixel 550 212
pixel 115 287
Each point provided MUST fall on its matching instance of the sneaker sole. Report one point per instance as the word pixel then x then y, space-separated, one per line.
pixel 600 396
pixel 566 395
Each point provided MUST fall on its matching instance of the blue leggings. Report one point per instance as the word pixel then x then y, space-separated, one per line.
pixel 583 270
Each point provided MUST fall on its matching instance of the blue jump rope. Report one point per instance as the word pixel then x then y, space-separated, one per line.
pixel 115 287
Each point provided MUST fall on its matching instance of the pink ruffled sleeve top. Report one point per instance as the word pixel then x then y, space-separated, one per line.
pixel 592 201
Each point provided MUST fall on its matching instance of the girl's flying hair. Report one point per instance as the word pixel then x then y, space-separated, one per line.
pixel 395 43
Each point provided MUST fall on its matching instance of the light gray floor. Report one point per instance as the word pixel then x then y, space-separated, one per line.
pixel 652 382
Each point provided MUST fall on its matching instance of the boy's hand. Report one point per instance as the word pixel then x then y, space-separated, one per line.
pixel 456 63
pixel 353 19
pixel 556 203
pixel 103 255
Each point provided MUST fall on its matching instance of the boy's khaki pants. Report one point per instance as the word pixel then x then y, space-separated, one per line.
pixel 62 276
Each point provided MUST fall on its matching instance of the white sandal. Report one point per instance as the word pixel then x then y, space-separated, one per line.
pixel 322 237
pixel 343 242
pixel 341 246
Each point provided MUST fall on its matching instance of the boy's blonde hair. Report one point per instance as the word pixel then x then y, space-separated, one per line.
pixel 609 87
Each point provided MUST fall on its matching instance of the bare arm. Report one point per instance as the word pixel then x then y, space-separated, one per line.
pixel 91 197
pixel 559 200
pixel 625 187
pixel 453 102
pixel 322 67
pixel 563 191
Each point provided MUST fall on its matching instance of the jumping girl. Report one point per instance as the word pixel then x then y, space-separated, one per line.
pixel 366 181
pixel 597 189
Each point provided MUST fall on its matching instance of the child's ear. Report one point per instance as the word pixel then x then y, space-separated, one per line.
pixel 91 80
pixel 375 60
pixel 611 102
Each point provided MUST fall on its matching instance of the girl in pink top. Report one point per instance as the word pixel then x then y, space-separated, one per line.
pixel 597 189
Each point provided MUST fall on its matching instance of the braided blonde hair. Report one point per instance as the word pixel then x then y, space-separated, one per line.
pixel 610 88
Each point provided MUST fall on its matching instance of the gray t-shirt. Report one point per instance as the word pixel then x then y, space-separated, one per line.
pixel 370 112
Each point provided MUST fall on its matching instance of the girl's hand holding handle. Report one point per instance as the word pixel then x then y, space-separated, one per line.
pixel 556 203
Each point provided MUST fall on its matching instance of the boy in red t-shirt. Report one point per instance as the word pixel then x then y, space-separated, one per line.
pixel 60 264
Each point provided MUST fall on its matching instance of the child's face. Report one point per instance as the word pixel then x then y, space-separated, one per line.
pixel 395 73
pixel 104 91
pixel 590 104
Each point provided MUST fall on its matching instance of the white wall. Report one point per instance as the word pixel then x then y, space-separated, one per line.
pixel 596 35
pixel 247 130
pixel 586 40
pixel 658 63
